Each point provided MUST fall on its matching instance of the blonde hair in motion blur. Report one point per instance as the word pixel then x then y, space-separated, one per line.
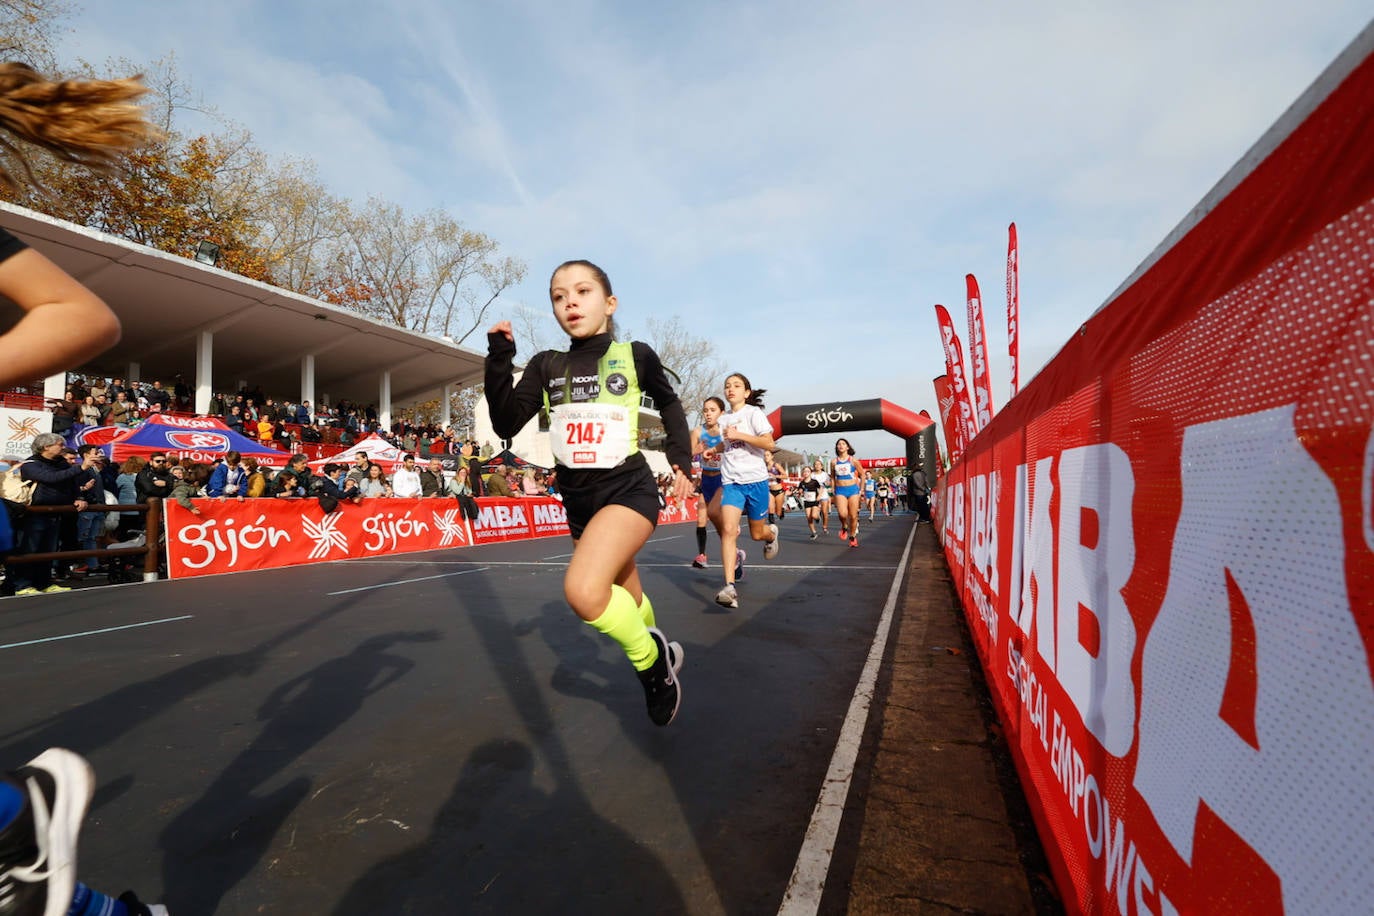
pixel 89 122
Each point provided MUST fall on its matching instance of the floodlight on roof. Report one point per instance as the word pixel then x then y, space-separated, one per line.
pixel 207 252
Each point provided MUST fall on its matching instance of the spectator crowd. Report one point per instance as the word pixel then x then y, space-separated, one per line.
pixel 56 474
pixel 277 423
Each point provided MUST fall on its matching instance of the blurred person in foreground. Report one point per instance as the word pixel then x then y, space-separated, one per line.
pixel 94 123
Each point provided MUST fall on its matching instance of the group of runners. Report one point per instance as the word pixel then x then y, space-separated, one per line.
pixel 843 483
pixel 591 394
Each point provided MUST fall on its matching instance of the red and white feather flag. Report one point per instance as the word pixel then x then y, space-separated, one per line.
pixel 1014 308
pixel 958 381
pixel 978 353
pixel 944 398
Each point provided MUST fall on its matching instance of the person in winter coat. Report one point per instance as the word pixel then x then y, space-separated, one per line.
pixel 187 483
pixel 432 479
pixel 126 492
pixel 155 480
pixel 57 483
pixel 229 478
pixel 257 479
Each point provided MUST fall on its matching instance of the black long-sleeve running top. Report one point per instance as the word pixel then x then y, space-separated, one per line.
pixel 512 405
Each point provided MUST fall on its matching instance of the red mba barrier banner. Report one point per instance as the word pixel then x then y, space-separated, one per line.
pixel 232 536
pixel 1165 548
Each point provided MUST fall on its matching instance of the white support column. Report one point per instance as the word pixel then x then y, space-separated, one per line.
pixel 205 354
pixel 308 379
pixel 55 386
pixel 446 407
pixel 384 403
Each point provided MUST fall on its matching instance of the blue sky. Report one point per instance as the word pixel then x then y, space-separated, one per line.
pixel 799 181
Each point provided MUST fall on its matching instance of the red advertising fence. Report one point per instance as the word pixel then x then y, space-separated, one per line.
pixel 1165 548
pixel 233 536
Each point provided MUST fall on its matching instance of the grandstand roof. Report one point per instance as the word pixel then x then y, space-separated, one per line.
pixel 261 332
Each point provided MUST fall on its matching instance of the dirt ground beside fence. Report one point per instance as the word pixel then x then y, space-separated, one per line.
pixel 939 820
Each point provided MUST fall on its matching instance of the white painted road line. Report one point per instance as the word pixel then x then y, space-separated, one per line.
pixel 754 566
pixel 365 588
pixel 127 626
pixel 803 895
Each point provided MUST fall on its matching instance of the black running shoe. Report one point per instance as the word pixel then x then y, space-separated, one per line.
pixel 662 689
pixel 38 848
pixel 139 908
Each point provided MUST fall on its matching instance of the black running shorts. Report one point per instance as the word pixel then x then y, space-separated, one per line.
pixel 637 491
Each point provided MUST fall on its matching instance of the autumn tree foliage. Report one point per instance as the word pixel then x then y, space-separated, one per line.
pixel 27 28
pixel 426 271
pixel 170 196
pixel 273 221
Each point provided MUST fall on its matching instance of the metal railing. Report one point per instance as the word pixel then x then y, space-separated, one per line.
pixel 149 551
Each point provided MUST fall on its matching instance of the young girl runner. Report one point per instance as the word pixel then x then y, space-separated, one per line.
pixel 592 393
pixel 775 507
pixel 870 496
pixel 885 495
pixel 707 436
pixel 822 477
pixel 848 475
pixel 810 497
pixel 748 437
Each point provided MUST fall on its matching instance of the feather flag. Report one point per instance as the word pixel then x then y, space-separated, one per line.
pixel 954 367
pixel 944 398
pixel 1014 308
pixel 978 353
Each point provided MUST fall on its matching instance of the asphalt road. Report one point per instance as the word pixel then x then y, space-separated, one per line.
pixel 437 733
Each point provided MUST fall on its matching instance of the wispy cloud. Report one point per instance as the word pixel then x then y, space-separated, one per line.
pixel 462 102
pixel 804 181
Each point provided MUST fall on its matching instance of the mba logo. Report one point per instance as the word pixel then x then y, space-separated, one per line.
pixel 550 514
pixel 501 517
pixel 550 518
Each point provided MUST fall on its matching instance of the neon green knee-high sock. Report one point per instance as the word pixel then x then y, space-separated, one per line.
pixel 646 611
pixel 621 621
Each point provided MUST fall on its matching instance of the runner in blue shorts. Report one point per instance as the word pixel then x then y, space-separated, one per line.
pixel 748 437
pixel 848 476
pixel 704 437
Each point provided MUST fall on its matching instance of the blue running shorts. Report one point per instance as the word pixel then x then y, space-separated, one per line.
pixel 710 486
pixel 749 498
